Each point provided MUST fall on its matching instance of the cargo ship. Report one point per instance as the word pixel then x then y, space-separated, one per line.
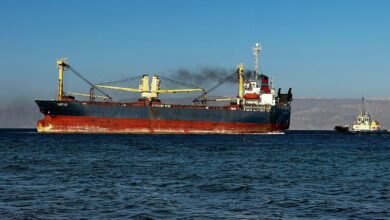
pixel 257 108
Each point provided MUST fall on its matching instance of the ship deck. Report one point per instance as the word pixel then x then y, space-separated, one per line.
pixel 183 106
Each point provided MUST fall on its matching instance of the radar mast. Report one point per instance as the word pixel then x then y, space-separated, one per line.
pixel 256 52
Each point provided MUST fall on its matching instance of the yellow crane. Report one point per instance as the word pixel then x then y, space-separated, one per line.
pixel 240 71
pixel 63 66
pixel 152 91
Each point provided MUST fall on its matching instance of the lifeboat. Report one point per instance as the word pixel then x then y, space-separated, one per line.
pixel 251 96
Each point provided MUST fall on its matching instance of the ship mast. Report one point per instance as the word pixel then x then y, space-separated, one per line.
pixel 256 52
pixel 62 66
pixel 240 71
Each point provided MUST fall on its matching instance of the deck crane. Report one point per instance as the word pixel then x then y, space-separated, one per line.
pixel 240 72
pixel 63 65
pixel 151 91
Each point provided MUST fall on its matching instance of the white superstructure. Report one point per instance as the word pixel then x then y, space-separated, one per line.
pixel 258 91
pixel 364 121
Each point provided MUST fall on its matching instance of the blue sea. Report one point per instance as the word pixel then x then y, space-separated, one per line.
pixel 298 175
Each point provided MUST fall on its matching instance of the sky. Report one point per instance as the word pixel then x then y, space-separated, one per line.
pixel 332 49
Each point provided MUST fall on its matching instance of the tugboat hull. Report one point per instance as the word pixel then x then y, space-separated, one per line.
pixel 341 129
pixel 345 130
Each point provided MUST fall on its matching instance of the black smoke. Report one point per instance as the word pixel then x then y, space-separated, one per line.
pixel 208 75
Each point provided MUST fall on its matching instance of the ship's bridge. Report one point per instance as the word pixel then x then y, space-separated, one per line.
pixel 258 95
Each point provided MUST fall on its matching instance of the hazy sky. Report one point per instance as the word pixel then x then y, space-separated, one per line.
pixel 319 48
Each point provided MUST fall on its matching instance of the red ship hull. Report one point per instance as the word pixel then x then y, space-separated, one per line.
pixel 88 124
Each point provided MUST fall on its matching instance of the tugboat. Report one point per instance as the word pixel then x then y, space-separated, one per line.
pixel 363 124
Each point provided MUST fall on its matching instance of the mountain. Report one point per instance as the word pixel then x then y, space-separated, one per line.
pixel 21 114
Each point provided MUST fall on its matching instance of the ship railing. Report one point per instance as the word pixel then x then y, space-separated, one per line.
pixel 258 108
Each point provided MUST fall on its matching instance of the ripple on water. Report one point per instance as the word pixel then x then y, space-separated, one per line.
pixel 312 175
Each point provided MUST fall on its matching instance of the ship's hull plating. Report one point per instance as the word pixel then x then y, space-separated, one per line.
pixel 85 117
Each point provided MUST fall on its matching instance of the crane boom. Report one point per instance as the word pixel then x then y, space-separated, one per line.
pixel 179 90
pixel 152 91
pixel 87 95
pixel 119 88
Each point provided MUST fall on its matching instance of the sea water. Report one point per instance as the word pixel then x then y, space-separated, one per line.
pixel 297 175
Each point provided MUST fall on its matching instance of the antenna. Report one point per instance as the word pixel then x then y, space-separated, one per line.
pixel 366 107
pixel 256 52
pixel 363 104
